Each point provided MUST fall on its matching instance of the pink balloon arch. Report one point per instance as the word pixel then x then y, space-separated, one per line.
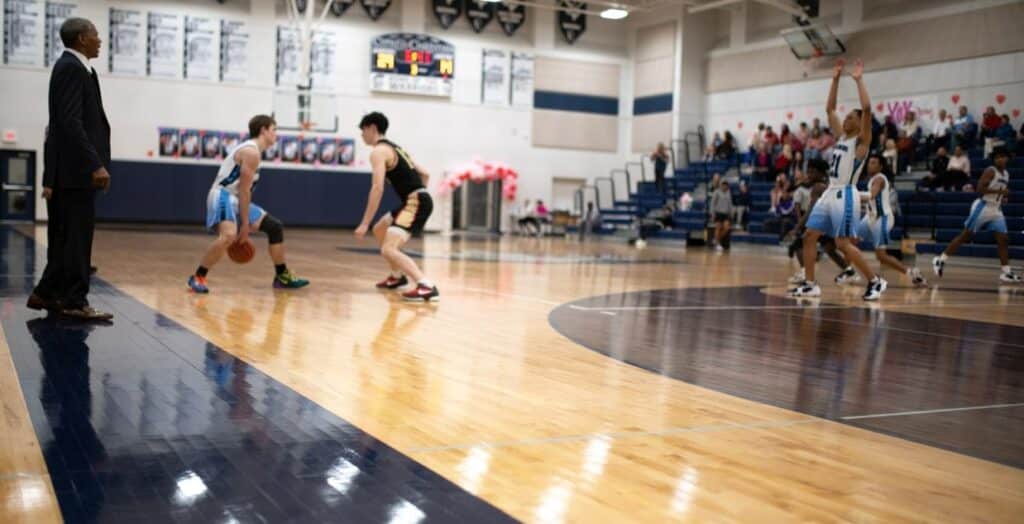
pixel 479 171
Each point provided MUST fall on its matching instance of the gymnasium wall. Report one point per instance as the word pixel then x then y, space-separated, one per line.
pixel 439 133
pixel 576 105
pixel 653 85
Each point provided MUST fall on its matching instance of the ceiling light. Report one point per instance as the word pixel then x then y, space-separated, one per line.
pixel 614 13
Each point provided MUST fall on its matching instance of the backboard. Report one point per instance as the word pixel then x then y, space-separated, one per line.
pixel 813 41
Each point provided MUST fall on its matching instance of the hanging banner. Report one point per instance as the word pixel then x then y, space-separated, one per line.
pixel 571 20
pixel 322 51
pixel 411 63
pixel 23 32
pixel 511 17
pixel 375 8
pixel 127 47
pixel 56 14
pixel 522 80
pixel 234 51
pixel 495 78
pixel 339 7
pixel 163 58
pixel 288 50
pixel 201 53
pixel 479 13
pixel 447 11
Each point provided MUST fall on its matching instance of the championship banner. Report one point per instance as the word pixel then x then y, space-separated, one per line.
pixel 571 20
pixel 375 8
pixel 163 59
pixel 201 53
pixel 288 50
pixel 511 17
pixel 479 13
pixel 338 7
pixel 234 51
pixel 495 89
pixel 127 42
pixel 522 80
pixel 56 14
pixel 23 32
pixel 322 51
pixel 412 64
pixel 447 11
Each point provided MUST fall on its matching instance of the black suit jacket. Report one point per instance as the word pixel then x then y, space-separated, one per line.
pixel 78 137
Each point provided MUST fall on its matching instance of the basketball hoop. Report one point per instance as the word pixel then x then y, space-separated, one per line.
pixel 307 125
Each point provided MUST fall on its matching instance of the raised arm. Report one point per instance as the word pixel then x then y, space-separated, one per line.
pixel 865 105
pixel 833 93
pixel 378 163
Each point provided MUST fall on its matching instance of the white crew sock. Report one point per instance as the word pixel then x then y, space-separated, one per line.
pixel 426 283
pixel 1006 269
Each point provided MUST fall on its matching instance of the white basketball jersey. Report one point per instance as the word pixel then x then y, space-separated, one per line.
pixel 845 168
pixel 1001 180
pixel 230 172
pixel 881 205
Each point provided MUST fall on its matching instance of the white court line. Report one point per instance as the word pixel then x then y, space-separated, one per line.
pixel 792 306
pixel 609 313
pixel 930 411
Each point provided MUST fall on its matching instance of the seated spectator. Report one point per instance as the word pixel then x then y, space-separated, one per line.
pixel 783 218
pixel 757 138
pixel 891 156
pixel 959 169
pixel 1005 133
pixel 685 201
pixel 937 175
pixel 783 160
pixel 717 139
pixel 910 125
pixel 828 140
pixel 797 165
pixel 964 127
pixel 816 126
pixel 939 136
pixel 990 122
pixel 905 146
pixel 526 219
pixel 741 203
pixel 781 188
pixel 803 134
pixel 771 140
pixel 762 162
pixel 814 145
pixel 727 148
pixel 801 195
pixel 721 212
pixel 877 132
pixel 890 129
pixel 784 135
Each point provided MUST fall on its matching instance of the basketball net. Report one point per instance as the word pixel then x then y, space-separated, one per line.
pixel 306 24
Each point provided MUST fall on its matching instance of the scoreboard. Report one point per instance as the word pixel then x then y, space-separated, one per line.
pixel 412 64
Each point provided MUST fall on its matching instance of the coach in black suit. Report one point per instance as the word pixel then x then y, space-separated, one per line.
pixel 76 156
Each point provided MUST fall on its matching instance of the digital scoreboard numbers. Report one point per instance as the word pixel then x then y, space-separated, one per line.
pixel 412 64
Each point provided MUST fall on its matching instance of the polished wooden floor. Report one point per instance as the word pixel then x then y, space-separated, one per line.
pixel 482 389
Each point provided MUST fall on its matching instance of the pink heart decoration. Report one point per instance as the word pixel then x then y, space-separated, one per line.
pixel 1000 98
pixel 739 125
pixel 955 99
pixel 1016 113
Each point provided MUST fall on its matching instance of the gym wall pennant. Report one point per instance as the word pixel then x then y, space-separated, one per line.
pixel 375 8
pixel 511 17
pixel 479 13
pixel 447 11
pixel 338 7
pixel 571 20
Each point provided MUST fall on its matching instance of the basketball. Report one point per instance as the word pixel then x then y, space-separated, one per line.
pixel 241 253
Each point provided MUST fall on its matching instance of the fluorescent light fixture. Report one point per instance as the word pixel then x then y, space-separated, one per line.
pixel 613 13
pixel 494 1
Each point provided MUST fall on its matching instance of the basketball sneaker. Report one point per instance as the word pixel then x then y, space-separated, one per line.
pixel 198 284
pixel 393 283
pixel 798 277
pixel 287 280
pixel 848 276
pixel 1010 276
pixel 875 289
pixel 421 292
pixel 806 289
pixel 938 265
pixel 916 277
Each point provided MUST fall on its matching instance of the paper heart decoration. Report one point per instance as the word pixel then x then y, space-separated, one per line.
pixel 739 125
pixel 955 99
pixel 789 115
pixel 1000 98
pixel 879 108
pixel 1016 113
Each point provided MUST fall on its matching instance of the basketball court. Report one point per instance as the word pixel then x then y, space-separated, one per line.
pixel 616 376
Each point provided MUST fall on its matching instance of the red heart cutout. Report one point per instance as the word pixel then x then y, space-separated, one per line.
pixel 1000 98
pixel 739 125
pixel 1016 113
pixel 879 108
pixel 955 99
pixel 789 115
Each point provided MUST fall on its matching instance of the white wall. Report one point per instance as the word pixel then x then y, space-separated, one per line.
pixel 977 81
pixel 439 133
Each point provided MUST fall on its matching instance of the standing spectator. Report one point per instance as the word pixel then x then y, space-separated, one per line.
pixel 727 148
pixel 721 211
pixel 784 160
pixel 990 122
pixel 803 133
pixel 741 203
pixel 78 147
pixel 660 159
pixel 959 170
pixel 940 131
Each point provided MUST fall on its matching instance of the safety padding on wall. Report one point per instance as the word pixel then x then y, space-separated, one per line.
pixel 175 192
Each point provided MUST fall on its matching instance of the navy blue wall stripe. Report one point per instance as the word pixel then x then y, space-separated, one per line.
pixel 652 104
pixel 602 105
pixel 175 192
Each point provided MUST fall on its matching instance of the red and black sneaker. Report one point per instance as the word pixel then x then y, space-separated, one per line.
pixel 424 293
pixel 392 283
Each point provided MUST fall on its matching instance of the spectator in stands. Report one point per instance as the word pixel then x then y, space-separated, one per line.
pixel 990 122
pixel 801 195
pixel 1005 134
pixel 940 131
pixel 937 175
pixel 905 146
pixel 541 211
pixel 717 140
pixel 741 203
pixel 757 138
pixel 816 126
pixel 721 212
pixel 685 201
pixel 783 218
pixel 964 127
pixel 771 140
pixel 784 160
pixel 781 188
pixel 877 132
pixel 814 144
pixel 784 134
pixel 910 125
pixel 762 162
pixel 797 165
pixel 660 159
pixel 958 171
pixel 527 219
pixel 727 148
pixel 715 180
pixel 891 156
pixel 803 134
pixel 891 131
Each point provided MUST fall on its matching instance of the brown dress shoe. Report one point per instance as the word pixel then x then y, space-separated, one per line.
pixel 87 313
pixel 37 303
